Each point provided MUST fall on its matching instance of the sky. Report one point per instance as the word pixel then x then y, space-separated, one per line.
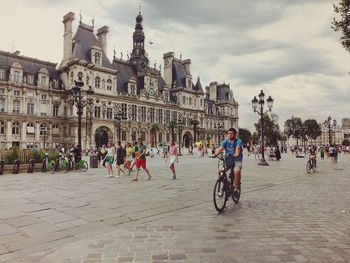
pixel 285 48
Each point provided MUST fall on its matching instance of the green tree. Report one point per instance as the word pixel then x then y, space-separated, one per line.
pixel 342 9
pixel 346 142
pixel 313 129
pixel 291 127
pixel 272 133
pixel 255 138
pixel 245 135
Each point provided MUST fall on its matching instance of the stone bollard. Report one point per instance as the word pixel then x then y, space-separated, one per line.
pixel 2 163
pixel 31 166
pixel 16 167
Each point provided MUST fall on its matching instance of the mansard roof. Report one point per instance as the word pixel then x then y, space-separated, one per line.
pixel 179 75
pixel 223 92
pixel 198 86
pixel 29 65
pixel 83 41
pixel 126 70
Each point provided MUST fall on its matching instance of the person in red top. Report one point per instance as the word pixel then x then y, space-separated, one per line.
pixel 174 157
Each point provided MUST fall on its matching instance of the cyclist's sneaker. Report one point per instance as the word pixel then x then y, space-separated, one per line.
pixel 220 194
pixel 235 196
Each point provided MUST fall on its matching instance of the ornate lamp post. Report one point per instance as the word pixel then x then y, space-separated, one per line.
pixel 77 100
pixel 119 117
pixel 260 111
pixel 331 128
pixel 180 125
pixel 218 126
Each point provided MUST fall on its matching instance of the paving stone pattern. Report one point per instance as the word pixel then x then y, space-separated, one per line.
pixel 285 215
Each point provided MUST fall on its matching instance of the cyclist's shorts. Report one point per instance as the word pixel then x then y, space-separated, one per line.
pixel 238 165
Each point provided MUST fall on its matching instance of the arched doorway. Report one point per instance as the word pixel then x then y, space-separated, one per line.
pixel 102 136
pixel 187 139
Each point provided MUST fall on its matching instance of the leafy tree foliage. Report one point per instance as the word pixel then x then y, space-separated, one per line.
pixel 291 127
pixel 313 129
pixel 245 135
pixel 272 133
pixel 343 24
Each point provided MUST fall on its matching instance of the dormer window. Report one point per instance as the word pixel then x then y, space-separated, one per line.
pixel 16 76
pixel 43 81
pixel 183 100
pixel 97 58
pixel 133 92
pixel 2 73
pixel 30 79
pixel 190 101
pixel 109 84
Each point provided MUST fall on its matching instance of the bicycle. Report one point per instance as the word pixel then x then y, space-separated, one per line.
pixel 58 165
pixel 311 165
pixel 223 186
pixel 81 165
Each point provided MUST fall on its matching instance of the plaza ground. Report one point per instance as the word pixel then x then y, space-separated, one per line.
pixel 285 215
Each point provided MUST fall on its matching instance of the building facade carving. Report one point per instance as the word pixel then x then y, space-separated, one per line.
pixel 131 98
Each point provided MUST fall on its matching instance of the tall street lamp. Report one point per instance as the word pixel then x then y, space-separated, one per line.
pixel 119 117
pixel 77 100
pixel 260 111
pixel 218 126
pixel 331 128
pixel 180 125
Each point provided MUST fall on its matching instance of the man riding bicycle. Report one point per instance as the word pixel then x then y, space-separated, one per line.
pixel 313 155
pixel 233 156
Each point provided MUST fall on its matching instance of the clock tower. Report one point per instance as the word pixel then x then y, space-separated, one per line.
pixel 138 56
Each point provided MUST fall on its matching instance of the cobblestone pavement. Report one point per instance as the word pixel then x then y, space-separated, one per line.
pixel 285 215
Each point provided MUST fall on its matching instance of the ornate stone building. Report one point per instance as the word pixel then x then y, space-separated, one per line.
pixel 35 96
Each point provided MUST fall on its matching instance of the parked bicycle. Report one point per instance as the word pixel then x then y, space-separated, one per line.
pixel 223 186
pixel 60 164
pixel 81 165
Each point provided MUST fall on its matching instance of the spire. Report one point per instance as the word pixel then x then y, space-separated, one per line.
pixel 138 54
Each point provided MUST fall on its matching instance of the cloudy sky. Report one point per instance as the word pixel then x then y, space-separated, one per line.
pixel 287 48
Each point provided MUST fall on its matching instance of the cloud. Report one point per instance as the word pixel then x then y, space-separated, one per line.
pixel 287 48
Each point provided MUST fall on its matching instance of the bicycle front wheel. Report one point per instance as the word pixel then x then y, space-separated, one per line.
pixel 314 167
pixel 308 167
pixel 83 166
pixel 219 196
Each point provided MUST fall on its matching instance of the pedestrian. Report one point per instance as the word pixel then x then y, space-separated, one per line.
pixel 141 160
pixel 173 157
pixel 109 158
pixel 277 153
pixel 120 159
pixel 128 158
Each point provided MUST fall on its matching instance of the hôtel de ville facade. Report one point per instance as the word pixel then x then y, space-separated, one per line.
pixel 149 102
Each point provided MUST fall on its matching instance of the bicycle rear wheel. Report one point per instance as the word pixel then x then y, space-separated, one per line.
pixel 236 200
pixel 219 195
pixel 314 167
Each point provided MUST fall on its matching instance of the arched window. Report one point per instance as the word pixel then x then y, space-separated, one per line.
pixel 15 127
pixel 143 134
pixel 103 84
pixel 123 134
pixel 183 100
pixel 160 137
pixel 133 135
pixel 109 84
pixel 30 128
pixel 97 82
pixel 2 127
pixel 190 101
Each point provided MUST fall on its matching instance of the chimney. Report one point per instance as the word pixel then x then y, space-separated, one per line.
pixel 102 37
pixel 168 68
pixel 17 52
pixel 68 35
pixel 186 64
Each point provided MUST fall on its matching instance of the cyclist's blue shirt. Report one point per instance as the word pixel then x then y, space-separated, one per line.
pixel 230 148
